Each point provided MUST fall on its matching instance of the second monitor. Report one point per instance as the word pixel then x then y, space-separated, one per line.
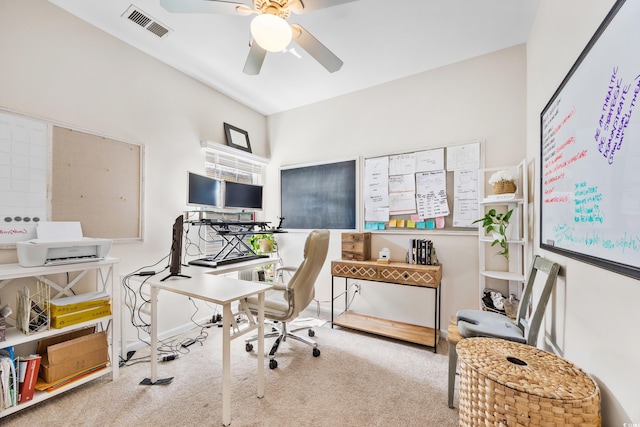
pixel 242 196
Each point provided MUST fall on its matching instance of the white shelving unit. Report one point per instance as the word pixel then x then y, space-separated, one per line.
pixel 106 279
pixel 495 271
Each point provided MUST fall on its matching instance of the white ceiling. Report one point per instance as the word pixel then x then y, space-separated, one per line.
pixel 378 40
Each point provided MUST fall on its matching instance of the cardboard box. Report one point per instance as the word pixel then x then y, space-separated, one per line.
pixel 356 246
pixel 71 353
pixel 62 321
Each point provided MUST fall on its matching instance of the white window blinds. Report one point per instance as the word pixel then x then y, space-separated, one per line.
pixel 222 163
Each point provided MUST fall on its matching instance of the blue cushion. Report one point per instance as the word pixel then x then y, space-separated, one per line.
pixel 478 323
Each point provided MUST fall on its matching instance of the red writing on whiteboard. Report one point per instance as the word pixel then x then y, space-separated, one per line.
pixel 557 199
pixel 566 163
pixel 554 179
pixel 14 231
pixel 566 119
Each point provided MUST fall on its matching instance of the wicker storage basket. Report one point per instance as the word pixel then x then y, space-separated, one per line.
pixel 503 187
pixel 504 383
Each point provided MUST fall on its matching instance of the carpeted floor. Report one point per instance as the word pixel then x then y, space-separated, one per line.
pixel 358 380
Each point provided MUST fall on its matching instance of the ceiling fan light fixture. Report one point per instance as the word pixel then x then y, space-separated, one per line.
pixel 271 32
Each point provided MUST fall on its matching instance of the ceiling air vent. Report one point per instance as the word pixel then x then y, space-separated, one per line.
pixel 134 14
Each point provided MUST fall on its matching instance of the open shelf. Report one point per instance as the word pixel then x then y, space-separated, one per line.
pixel 105 274
pixel 503 275
pixel 389 328
pixel 511 280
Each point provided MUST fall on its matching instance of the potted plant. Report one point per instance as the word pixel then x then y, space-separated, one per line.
pixel 262 243
pixel 495 224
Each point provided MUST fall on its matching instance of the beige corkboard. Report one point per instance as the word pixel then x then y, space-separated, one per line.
pixel 97 181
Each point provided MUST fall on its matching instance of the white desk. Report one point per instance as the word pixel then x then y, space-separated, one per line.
pixel 190 270
pixel 223 291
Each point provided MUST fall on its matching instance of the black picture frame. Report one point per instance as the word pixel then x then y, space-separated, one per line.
pixel 237 138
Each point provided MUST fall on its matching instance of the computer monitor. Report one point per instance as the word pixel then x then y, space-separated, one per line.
pixel 203 191
pixel 242 196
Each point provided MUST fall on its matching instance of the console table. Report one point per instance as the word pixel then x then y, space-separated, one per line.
pixel 399 273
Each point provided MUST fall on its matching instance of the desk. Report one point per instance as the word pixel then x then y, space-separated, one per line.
pixel 398 273
pixel 223 291
pixel 189 270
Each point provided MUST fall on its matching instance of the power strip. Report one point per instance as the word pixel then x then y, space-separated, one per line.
pixel 188 342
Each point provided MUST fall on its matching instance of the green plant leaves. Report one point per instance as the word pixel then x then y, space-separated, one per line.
pixel 498 222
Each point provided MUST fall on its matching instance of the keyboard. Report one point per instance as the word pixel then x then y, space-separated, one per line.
pixel 204 262
pixel 212 262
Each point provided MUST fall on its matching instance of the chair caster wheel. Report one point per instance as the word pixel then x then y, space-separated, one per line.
pixel 316 352
pixel 311 333
pixel 248 347
pixel 273 364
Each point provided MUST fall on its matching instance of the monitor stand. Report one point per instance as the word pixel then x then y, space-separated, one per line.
pixel 176 275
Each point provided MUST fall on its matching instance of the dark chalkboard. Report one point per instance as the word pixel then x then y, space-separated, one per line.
pixel 590 151
pixel 320 196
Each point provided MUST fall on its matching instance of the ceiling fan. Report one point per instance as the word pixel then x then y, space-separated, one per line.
pixel 269 30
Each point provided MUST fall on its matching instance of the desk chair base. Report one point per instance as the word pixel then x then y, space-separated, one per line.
pixel 281 334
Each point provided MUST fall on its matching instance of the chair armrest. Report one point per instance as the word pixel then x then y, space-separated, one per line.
pixel 279 287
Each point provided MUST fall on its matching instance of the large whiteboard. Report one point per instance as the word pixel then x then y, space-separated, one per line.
pixel 590 151
pixel 23 177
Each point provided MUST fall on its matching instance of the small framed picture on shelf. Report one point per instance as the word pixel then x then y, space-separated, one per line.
pixel 237 138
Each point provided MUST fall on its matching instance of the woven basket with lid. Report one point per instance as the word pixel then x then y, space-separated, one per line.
pixel 503 187
pixel 504 383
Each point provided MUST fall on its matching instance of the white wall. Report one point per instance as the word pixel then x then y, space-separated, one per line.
pixel 593 312
pixel 58 68
pixel 478 99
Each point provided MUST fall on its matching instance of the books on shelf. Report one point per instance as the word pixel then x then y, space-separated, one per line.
pixel 28 368
pixel 8 379
pixel 421 252
pixel 42 385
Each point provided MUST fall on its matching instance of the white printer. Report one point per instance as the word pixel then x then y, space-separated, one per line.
pixel 61 243
pixel 36 252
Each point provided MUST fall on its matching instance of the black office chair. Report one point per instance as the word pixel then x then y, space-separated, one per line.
pixel 283 304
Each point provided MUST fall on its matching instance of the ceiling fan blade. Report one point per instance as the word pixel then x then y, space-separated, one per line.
pixel 302 6
pixel 206 6
pixel 254 60
pixel 320 53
